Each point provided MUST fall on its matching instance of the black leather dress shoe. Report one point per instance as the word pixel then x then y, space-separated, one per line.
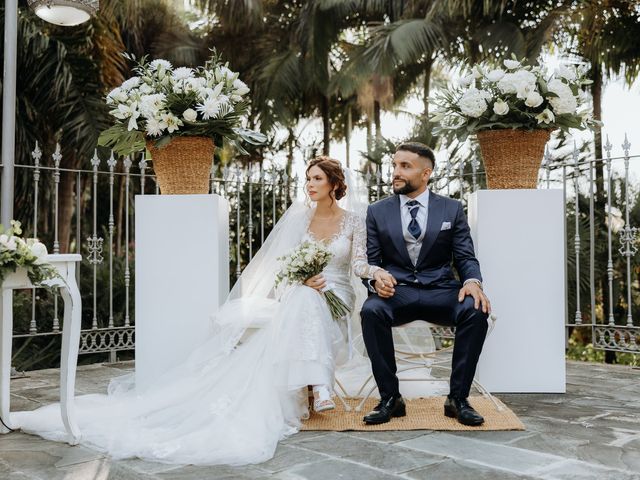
pixel 462 411
pixel 391 407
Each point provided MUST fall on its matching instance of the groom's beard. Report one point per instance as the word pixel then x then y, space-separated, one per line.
pixel 407 188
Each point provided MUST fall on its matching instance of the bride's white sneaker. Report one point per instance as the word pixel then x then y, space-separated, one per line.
pixel 322 399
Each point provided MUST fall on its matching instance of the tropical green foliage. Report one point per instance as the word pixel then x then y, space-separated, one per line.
pixel 343 62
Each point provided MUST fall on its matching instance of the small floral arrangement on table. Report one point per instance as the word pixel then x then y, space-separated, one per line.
pixel 30 254
pixel 308 260
pixel 519 96
pixel 161 101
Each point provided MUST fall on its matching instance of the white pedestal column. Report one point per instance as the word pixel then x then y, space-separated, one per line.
pixel 520 243
pixel 182 276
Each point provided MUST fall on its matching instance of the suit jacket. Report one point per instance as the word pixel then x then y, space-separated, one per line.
pixel 447 238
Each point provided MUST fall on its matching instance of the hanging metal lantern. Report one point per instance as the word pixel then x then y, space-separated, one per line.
pixel 65 12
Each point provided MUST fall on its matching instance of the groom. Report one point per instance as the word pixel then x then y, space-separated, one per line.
pixel 414 235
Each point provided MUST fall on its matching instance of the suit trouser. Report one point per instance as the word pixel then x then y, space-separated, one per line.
pixel 437 305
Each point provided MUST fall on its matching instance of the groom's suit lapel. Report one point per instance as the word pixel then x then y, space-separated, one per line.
pixel 434 222
pixel 394 224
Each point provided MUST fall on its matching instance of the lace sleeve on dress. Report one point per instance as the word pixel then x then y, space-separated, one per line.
pixel 359 262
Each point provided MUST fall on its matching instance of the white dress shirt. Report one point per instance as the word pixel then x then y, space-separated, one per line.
pixel 414 244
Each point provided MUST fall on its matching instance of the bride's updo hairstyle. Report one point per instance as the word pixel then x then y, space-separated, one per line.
pixel 333 171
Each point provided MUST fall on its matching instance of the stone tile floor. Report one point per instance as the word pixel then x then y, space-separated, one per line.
pixel 591 432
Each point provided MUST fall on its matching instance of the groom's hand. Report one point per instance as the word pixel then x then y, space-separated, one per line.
pixel 384 284
pixel 317 282
pixel 479 298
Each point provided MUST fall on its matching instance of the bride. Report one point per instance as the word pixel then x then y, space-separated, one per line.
pixel 243 389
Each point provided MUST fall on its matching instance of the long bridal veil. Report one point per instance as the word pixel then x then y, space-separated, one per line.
pixel 216 407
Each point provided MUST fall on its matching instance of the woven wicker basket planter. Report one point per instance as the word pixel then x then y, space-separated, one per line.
pixel 183 166
pixel 512 158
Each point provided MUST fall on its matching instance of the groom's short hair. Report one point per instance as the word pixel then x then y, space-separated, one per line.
pixel 420 149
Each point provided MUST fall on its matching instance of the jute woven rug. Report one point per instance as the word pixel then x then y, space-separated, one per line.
pixel 422 414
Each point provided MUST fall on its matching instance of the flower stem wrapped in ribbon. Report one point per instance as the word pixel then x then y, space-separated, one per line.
pixel 306 261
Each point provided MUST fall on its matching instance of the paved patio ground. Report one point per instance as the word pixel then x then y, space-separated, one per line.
pixel 592 432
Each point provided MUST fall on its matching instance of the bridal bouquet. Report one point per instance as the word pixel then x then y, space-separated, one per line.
pixel 161 101
pixel 516 96
pixel 15 252
pixel 306 261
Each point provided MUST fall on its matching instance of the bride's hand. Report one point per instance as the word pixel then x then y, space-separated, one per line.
pixel 384 283
pixel 318 282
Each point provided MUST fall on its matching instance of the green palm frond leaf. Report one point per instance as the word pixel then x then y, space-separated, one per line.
pixel 403 42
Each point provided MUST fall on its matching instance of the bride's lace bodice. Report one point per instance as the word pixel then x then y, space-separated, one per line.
pixel 348 246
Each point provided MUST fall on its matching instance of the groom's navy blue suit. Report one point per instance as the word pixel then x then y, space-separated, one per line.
pixel 427 290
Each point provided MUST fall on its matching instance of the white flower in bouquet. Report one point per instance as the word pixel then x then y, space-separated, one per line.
pixel 160 64
pixel 476 72
pixel 500 107
pixel 473 103
pixel 212 92
pixel 521 83
pixel 495 75
pixel 466 81
pixel 511 64
pixel 223 74
pixel 171 121
pixel 308 260
pixel 566 73
pixel 178 87
pixel 212 106
pixel 155 127
pixel 39 250
pixel 124 111
pixel 161 102
pixel 150 105
pixel 8 242
pixel 546 116
pixel 565 102
pixel 145 89
pixel 190 115
pixel 519 96
pixel 194 84
pixel 239 88
pixel 534 99
pixel 130 83
pixel 116 95
pixel 29 255
pixel 182 73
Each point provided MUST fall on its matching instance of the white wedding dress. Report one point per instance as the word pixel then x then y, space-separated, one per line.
pixel 233 401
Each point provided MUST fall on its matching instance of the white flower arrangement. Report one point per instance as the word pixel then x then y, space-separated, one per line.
pixel 516 96
pixel 16 252
pixel 161 101
pixel 308 260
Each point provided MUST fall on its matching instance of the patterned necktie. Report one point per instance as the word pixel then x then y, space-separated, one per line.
pixel 414 227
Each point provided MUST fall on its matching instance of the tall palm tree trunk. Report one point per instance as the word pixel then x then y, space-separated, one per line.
pixel 426 85
pixel 376 120
pixel 291 141
pixel 326 125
